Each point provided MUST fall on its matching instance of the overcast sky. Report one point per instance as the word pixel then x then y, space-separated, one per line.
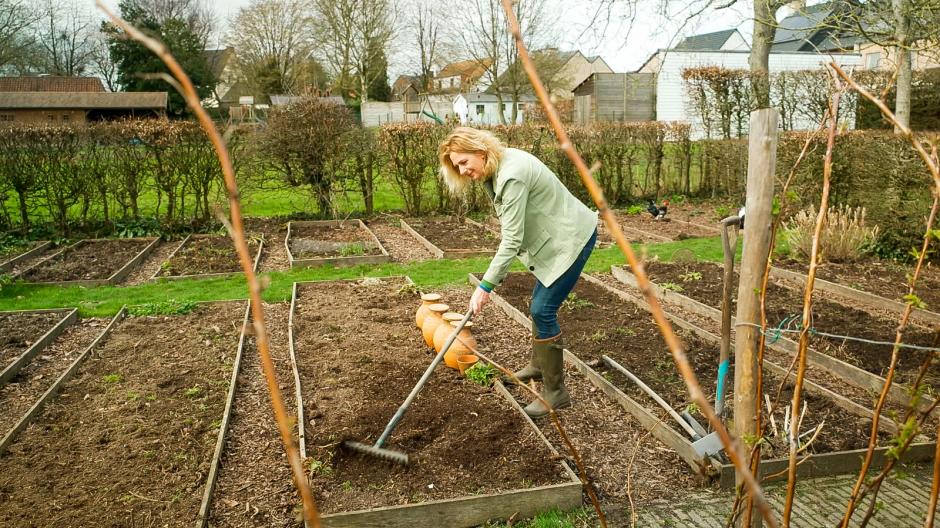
pixel 625 41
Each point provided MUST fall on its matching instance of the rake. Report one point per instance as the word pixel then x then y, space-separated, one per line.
pixel 377 449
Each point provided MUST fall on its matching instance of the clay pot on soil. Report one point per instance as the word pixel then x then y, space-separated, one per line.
pixel 427 300
pixel 444 330
pixel 466 361
pixel 431 321
pixel 461 346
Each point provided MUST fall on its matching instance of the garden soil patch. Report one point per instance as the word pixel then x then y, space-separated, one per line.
pixel 359 355
pixel 884 278
pixel 313 241
pixel 130 439
pixel 605 435
pixel 93 260
pixel 274 231
pixel 449 233
pixel 19 330
pixel 828 317
pixel 664 228
pixel 30 383
pixel 26 263
pixel 595 322
pixel 15 250
pixel 254 487
pixel 400 244
pixel 203 255
pixel 151 265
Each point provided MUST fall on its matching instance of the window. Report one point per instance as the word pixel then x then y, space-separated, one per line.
pixel 479 109
pixel 50 117
pixel 66 118
pixel 873 60
pixel 505 107
pixel 6 117
pixel 451 82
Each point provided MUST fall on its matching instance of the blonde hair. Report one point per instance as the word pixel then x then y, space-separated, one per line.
pixel 469 141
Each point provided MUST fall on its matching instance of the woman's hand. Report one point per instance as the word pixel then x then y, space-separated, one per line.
pixel 478 300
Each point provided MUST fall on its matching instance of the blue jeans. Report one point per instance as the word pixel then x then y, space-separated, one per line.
pixel 547 300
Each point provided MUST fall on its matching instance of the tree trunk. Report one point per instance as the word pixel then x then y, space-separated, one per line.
pixel 24 211
pixel 764 28
pixel 902 102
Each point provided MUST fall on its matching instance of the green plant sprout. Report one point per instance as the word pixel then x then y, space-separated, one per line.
pixel 671 286
pixel 481 373
pixel 691 276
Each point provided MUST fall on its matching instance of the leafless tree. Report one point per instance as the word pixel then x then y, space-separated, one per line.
pixel 199 17
pixel 16 16
pixel 273 42
pixel 65 38
pixel 101 64
pixel 427 33
pixel 355 36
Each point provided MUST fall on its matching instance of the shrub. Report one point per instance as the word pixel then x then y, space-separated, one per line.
pixel 845 237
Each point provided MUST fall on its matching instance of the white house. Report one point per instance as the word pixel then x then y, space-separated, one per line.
pixel 483 108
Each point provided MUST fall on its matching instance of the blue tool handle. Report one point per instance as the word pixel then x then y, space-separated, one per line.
pixel 723 368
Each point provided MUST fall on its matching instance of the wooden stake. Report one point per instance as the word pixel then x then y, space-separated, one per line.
pixel 762 161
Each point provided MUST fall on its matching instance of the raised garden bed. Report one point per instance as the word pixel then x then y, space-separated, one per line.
pixel 597 319
pixel 200 256
pixel 14 255
pixel 333 242
pixel 134 428
pixel 474 454
pixel 91 262
pixel 451 237
pixel 876 284
pixel 643 227
pixel 25 334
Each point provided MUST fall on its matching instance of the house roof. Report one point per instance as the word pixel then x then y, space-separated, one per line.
pixel 819 28
pixel 484 97
pixel 217 60
pixel 706 41
pixel 51 83
pixel 469 68
pixel 82 100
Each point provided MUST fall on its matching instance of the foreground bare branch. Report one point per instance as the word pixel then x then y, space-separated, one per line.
pixel 241 246
pixel 672 341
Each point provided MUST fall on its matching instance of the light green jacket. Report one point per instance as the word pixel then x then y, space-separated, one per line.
pixel 543 224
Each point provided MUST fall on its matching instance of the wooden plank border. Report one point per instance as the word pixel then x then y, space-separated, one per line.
pixel 212 478
pixel 298 393
pixel 219 275
pixel 850 373
pixel 461 512
pixel 172 254
pixel 713 229
pixel 13 368
pixel 449 253
pixel 886 423
pixel 114 278
pixel 657 427
pixel 341 261
pixel 51 392
pixel 7 264
pixel 863 297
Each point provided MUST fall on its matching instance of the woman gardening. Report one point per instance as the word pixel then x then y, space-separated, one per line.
pixel 544 225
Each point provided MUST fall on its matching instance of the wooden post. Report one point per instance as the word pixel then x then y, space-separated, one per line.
pixel 762 160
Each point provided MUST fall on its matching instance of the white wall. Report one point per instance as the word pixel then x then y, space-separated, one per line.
pixel 490 115
pixel 376 113
pixel 672 99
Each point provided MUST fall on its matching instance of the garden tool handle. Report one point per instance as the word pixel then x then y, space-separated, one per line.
pixel 424 379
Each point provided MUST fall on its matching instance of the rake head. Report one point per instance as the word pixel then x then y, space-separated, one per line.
pixel 387 454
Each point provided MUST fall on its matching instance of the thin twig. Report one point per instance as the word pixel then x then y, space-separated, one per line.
pixel 672 341
pixel 935 486
pixel 930 160
pixel 808 299
pixel 241 246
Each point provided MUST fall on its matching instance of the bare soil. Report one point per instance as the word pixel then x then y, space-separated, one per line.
pixel 24 264
pixel 449 233
pixel 359 355
pixel 19 330
pixel 203 255
pixel 828 317
pixel 130 439
pixel 595 322
pixel 885 278
pixel 254 487
pixel 400 244
pixel 151 264
pixel 275 252
pixel 21 392
pixel 664 228
pixel 94 260
pixel 13 251
pixel 348 239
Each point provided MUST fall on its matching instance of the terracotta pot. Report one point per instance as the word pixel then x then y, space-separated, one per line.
pixel 427 299
pixel 443 331
pixel 461 346
pixel 466 361
pixel 432 321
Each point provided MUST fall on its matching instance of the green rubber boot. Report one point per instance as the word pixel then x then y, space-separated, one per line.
pixel 532 371
pixel 550 356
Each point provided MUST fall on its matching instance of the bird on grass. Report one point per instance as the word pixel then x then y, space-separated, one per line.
pixel 657 212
